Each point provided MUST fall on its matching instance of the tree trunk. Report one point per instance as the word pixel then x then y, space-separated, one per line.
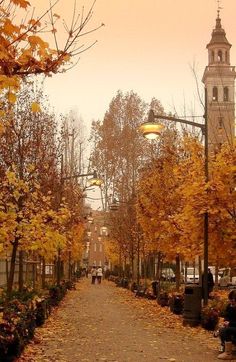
pixel 21 271
pixel 119 270
pixel 158 272
pixel 138 263
pixel 59 267
pixel 69 266
pixel 12 269
pixel 177 272
pixel 200 270
pixel 7 270
pixel 217 274
pixel 43 273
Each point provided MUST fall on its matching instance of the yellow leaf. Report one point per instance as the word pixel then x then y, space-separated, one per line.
pixel 2 128
pixel 35 107
pixel 11 97
pixel 37 41
pixel 9 28
pixel 22 3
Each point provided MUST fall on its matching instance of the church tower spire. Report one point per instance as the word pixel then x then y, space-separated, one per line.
pixel 219 79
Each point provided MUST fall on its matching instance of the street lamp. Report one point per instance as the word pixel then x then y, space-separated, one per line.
pixel 94 181
pixel 152 130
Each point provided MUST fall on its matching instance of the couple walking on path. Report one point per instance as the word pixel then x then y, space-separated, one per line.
pixel 96 274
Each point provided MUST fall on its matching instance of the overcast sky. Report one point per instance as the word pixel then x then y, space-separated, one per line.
pixel 147 46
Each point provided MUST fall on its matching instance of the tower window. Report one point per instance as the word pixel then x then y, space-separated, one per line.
pixel 226 57
pixel 212 56
pixel 215 94
pixel 219 56
pixel 226 94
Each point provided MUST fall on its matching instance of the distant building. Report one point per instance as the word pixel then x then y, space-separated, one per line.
pixel 219 79
pixel 96 235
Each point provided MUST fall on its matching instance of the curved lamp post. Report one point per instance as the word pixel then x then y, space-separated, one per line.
pixel 151 130
pixel 94 181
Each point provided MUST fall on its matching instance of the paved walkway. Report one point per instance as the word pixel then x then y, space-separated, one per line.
pixel 106 323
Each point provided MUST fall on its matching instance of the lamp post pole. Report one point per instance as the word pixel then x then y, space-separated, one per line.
pixel 206 221
pixel 150 129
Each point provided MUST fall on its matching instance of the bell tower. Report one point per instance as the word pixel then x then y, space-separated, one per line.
pixel 219 80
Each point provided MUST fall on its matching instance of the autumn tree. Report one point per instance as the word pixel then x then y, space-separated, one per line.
pixel 112 154
pixel 28 149
pixel 222 206
pixel 119 153
pixel 24 52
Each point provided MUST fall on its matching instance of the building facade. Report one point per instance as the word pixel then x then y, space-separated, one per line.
pixel 96 238
pixel 219 80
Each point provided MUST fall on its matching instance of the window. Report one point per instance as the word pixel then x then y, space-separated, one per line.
pixel 226 94
pixel 215 94
pixel 219 56
pixel 100 247
pixel 226 57
pixel 95 247
pixel 212 56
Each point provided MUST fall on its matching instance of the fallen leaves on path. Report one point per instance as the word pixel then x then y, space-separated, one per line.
pixel 55 330
pixel 162 317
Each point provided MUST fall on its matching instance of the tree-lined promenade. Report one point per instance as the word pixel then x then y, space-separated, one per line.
pixel 159 191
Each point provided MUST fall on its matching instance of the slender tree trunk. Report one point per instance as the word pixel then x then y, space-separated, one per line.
pixel 145 264
pixel 217 274
pixel 69 266
pixel 12 269
pixel 21 271
pixel 158 272
pixel 34 275
pixel 43 273
pixel 7 270
pixel 27 270
pixel 119 270
pixel 177 272
pixel 59 267
pixel 138 262
pixel 200 270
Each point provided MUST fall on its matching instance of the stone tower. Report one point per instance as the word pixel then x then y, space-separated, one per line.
pixel 219 79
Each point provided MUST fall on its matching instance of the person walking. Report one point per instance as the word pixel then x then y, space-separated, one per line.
pixel 94 274
pixel 99 274
pixel 210 281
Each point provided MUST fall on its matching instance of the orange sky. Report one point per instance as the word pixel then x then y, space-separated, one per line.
pixel 146 46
